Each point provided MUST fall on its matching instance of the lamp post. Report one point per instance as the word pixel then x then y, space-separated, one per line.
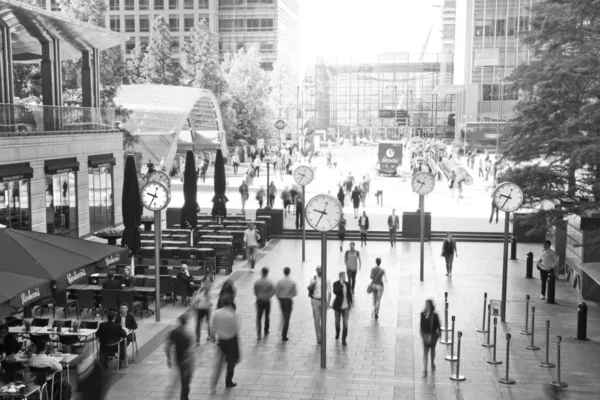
pixel 268 160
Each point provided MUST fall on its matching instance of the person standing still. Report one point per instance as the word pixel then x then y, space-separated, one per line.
pixel 378 277
pixel 547 262
pixel 315 293
pixel 430 332
pixel 263 290
pixel 448 252
pixel 299 211
pixel 341 305
pixel 285 290
pixel 225 328
pixel 184 358
pixel 251 238
pixel 393 225
pixel 363 224
pixel 353 264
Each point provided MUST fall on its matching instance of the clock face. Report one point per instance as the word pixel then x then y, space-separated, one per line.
pixel 508 197
pixel 303 175
pixel 159 176
pixel 323 212
pixel 155 196
pixel 423 183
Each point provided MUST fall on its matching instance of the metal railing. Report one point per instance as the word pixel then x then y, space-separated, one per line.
pixel 26 119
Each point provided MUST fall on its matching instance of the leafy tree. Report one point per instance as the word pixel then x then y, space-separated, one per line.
pixel 133 75
pixel 90 11
pixel 158 66
pixel 554 139
pixel 283 95
pixel 27 81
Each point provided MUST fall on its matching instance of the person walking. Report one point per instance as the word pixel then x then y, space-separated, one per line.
pixel 349 183
pixel 296 190
pixel 355 200
pixel 226 327
pixel 228 291
pixel 285 290
pixel 342 305
pixel 244 195
pixel 449 252
pixel 286 197
pixel 452 183
pixel 547 262
pixel 251 239
pixel 203 170
pixel 378 277
pixel 201 303
pixel 342 232
pixel 378 190
pixel 480 168
pixel 494 208
pixel 393 225
pixel 341 196
pixel 184 358
pixel 235 160
pixel 316 295
pixel 272 194
pixel 263 290
pixel 362 186
pixel 353 264
pixel 256 163
pixel 430 332
pixel 299 211
pixel 363 224
pixel 260 196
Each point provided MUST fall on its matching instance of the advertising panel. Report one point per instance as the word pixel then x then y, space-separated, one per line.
pixel 390 157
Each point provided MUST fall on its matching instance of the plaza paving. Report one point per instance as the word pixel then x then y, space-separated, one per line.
pixel 383 359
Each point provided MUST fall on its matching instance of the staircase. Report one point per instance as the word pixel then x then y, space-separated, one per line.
pixel 384 236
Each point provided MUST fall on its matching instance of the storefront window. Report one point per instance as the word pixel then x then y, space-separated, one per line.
pixel 61 197
pixel 101 198
pixel 15 211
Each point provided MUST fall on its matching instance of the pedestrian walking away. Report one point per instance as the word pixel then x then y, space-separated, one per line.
pixel 260 196
pixel 363 224
pixel 272 194
pixel 244 195
pixel 285 290
pixel 449 252
pixel 256 165
pixel 341 196
pixel 378 278
pixel 355 201
pixel 286 198
pixel 353 264
pixel 342 232
pixel 263 290
pixel 201 303
pixel 342 305
pixel 316 295
pixel 299 211
pixel 228 291
pixel 184 358
pixel 548 261
pixel 452 183
pixel 235 160
pixel 430 332
pixel 251 239
pixel 393 225
pixel 226 327
pixel 349 184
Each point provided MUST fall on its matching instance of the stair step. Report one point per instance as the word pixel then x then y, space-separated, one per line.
pixel 383 236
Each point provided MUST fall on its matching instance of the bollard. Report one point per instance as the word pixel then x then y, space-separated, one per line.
pixel 529 270
pixel 489 330
pixel 445 327
pixel 493 360
pixel 457 376
pixel 551 287
pixel 532 346
pixel 582 321
pixel 547 364
pixel 526 331
pixel 506 379
pixel 445 340
pixel 452 357
pixel 558 382
pixel 482 330
pixel 513 248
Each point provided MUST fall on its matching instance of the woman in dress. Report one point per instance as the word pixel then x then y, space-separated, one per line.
pixel 341 196
pixel 430 332
pixel 244 195
pixel 341 305
pixel 378 277
pixel 355 196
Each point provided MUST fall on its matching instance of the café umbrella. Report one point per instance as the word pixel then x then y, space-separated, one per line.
pixel 189 211
pixel 219 199
pixel 34 264
pixel 131 207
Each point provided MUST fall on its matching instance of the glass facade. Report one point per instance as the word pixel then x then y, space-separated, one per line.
pixel 61 204
pixel 102 213
pixel 383 97
pixel 15 209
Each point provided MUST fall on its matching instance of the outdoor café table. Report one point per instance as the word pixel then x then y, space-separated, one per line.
pixel 176 231
pixel 147 242
pixel 144 291
pixel 237 227
pixel 12 391
pixel 220 248
pixel 217 238
pixel 171 243
pixel 76 286
pixel 20 330
pixel 215 227
pixel 93 278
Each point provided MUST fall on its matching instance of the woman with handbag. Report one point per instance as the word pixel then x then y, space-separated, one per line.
pixel 430 332
pixel 376 286
pixel 341 305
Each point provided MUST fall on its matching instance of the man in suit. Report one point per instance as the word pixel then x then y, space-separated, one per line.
pixel 108 334
pixel 341 305
pixel 111 283
pixel 393 225
pixel 185 276
pixel 126 320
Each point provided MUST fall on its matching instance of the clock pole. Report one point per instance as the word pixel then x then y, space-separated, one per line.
pixel 505 266
pixel 324 302
pixel 157 245
pixel 303 223
pixel 422 223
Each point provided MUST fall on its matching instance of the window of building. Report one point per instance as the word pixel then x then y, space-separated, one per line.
pixel 188 22
pixel 500 27
pixel 173 4
pixel 61 197
pixel 174 44
pixel 54 5
pixel 225 24
pixel 230 3
pixel 266 24
pixel 253 24
pixel 266 47
pixel 239 45
pixel 144 23
pixel 266 66
pixel 115 5
pixel 203 4
pixel 129 5
pixel 524 24
pixel 115 23
pixel 144 40
pixel 188 4
pixel 205 18
pixel 40 3
pixel 159 4
pixel 101 200
pixel 129 23
pixel 15 208
pixel 174 23
pixel 129 46
pixel 144 4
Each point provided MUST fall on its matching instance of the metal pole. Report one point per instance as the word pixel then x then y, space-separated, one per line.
pixel 489 330
pixel 268 207
pixel 493 360
pixel 506 379
pixel 483 330
pixel 505 267
pixel 526 331
pixel 157 245
pixel 324 302
pixel 303 223
pixel 547 363
pixel 451 357
pixel 558 382
pixel 458 376
pixel 422 207
pixel 445 340
pixel 445 327
pixel 532 346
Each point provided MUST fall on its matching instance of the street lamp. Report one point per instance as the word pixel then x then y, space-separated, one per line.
pixel 268 160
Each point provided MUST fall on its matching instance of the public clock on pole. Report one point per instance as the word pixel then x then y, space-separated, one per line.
pixel 423 183
pixel 160 176
pixel 155 196
pixel 303 175
pixel 323 212
pixel 508 197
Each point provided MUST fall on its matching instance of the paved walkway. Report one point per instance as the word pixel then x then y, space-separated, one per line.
pixel 383 359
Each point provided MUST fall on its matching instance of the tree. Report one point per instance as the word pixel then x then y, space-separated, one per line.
pixel 158 66
pixel 283 94
pixel 554 139
pixel 249 87
pixel 133 75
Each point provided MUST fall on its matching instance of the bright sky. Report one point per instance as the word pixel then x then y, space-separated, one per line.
pixel 347 27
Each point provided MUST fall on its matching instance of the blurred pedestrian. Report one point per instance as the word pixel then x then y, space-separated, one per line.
pixel 202 303
pixel 430 332
pixel 449 252
pixel 341 196
pixel 452 183
pixel 393 225
pixel 353 264
pixel 299 211
pixel 226 327
pixel 316 295
pixel 342 232
pixel 342 305
pixel 363 224
pixel 263 290
pixel 349 184
pixel 285 290
pixel 184 358
pixel 286 198
pixel 378 278
pixel 260 196
pixel 256 165
pixel 228 292
pixel 235 160
pixel 355 201
pixel 244 195
pixel 272 193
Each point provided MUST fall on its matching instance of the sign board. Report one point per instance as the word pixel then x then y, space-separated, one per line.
pixel 260 143
pixel 280 124
pixel 390 157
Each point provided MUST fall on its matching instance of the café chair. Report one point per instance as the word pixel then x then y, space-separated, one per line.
pixel 46 303
pixel 180 288
pixel 107 352
pixel 41 377
pixel 110 300
pixel 126 296
pixel 61 300
pixel 166 286
pixel 87 300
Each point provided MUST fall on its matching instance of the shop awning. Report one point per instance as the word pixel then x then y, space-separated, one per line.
pixel 101 160
pixel 61 166
pixel 15 172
